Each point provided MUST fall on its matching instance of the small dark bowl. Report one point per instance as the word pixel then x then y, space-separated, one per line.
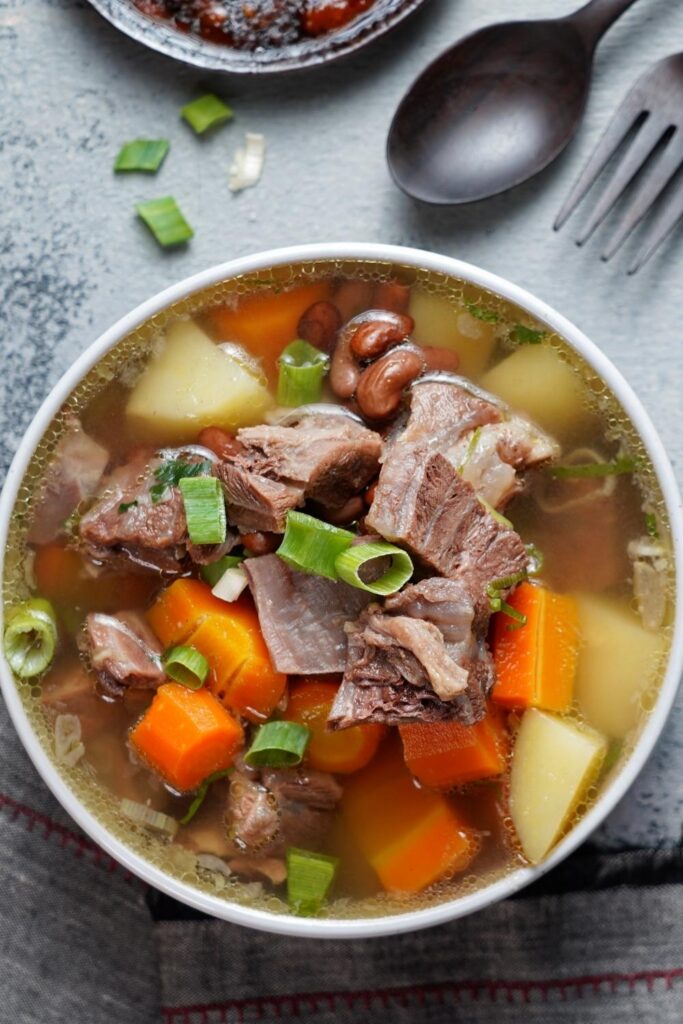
pixel 160 35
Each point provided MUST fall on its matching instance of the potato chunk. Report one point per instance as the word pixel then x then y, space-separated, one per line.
pixel 553 764
pixel 536 381
pixel 441 324
pixel 193 383
pixel 619 658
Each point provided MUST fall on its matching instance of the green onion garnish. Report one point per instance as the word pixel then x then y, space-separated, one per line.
pixel 125 505
pixel 165 221
pixel 498 516
pixel 651 524
pixel 187 666
pixel 204 509
pixel 201 794
pixel 142 155
pixel 505 582
pixel 30 637
pixel 585 470
pixel 213 572
pixel 523 335
pixel 481 313
pixel 146 816
pixel 278 745
pixel 349 562
pixel 309 877
pixel 312 546
pixel 172 471
pixel 206 112
pixel 301 371
pixel 497 604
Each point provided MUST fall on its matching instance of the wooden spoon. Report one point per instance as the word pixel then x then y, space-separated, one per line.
pixel 497 107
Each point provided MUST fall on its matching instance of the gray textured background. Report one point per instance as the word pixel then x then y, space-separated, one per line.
pixel 73 258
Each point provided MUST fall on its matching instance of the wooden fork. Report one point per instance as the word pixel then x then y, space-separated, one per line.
pixel 653 113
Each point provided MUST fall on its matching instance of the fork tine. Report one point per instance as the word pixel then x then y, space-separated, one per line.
pixel 666 220
pixel 656 180
pixel 638 152
pixel 623 121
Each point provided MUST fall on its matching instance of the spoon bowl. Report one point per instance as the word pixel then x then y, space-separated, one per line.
pixel 496 108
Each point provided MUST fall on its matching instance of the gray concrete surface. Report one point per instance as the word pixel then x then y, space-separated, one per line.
pixel 73 258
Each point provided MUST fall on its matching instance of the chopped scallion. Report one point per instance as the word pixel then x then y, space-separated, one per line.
pixel 349 563
pixel 231 584
pixel 204 509
pixel 172 471
pixel 165 221
pixel 309 878
pixel 522 335
pixel 146 816
pixel 651 524
pixel 481 313
pixel 497 604
pixel 498 516
pixel 201 794
pixel 585 470
pixel 278 745
pixel 312 546
pixel 126 505
pixel 505 582
pixel 206 112
pixel 30 637
pixel 145 155
pixel 187 666
pixel 213 572
pixel 300 375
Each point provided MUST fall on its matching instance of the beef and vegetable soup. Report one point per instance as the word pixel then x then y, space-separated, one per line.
pixel 340 589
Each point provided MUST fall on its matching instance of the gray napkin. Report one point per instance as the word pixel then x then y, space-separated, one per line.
pixel 79 943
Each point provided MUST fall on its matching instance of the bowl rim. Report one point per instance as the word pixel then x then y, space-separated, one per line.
pixel 159 35
pixel 415 919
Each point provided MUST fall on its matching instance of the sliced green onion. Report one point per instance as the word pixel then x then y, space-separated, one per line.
pixel 481 313
pixel 651 524
pixel 523 335
pixel 585 470
pixel 495 513
pixel 231 584
pixel 30 637
pixel 312 546
pixel 201 794
pixel 141 814
pixel 309 878
pixel 204 509
pixel 536 559
pixel 497 604
pixel 187 666
pixel 172 471
pixel 301 371
pixel 349 562
pixel 165 221
pixel 213 572
pixel 126 505
pixel 142 155
pixel 278 745
pixel 206 112
pixel 474 441
pixel 505 582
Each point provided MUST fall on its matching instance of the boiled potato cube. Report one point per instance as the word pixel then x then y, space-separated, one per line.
pixel 618 659
pixel 441 324
pixel 192 383
pixel 536 381
pixel 553 763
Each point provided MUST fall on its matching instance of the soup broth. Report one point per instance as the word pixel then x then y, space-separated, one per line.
pixel 589 513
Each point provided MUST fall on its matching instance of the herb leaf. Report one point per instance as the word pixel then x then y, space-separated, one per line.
pixel 651 524
pixel 125 505
pixel 172 471
pixel 481 313
pixel 523 335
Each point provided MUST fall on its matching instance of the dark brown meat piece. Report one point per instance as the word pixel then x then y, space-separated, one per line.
pixel 302 617
pixel 123 652
pixel 281 808
pixel 322 458
pixel 72 477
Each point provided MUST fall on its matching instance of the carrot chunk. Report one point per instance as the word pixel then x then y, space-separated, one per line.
pixel 264 324
pixel 186 735
pixel 63 576
pixel 347 751
pixel 180 608
pixel 241 674
pixel 536 663
pixel 411 837
pixel 445 754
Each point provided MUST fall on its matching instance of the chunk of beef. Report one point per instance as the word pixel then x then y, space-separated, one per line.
pixel 123 652
pixel 424 504
pixel 441 413
pixel 302 617
pixel 72 477
pixel 255 502
pixel 322 458
pixel 281 808
pixel 330 458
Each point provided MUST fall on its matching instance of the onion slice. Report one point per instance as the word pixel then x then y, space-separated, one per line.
pixel 247 165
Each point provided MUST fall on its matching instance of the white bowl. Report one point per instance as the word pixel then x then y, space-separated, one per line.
pixel 362 927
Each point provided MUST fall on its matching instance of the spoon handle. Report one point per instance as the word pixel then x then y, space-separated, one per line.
pixel 593 20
